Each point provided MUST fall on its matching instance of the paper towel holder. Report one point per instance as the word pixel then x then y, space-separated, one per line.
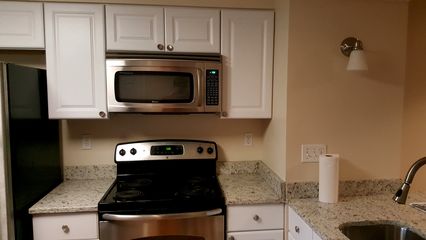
pixel 353 48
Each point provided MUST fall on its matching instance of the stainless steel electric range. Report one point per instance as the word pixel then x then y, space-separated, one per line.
pixel 164 190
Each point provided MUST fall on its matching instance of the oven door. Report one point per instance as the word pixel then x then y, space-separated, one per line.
pixel 206 225
pixel 155 86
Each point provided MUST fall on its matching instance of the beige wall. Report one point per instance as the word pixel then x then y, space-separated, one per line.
pixel 105 134
pixel 357 115
pixel 414 121
pixel 274 141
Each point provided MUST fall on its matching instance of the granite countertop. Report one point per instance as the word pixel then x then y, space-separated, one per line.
pixel 325 219
pixel 248 182
pixel 73 196
pixel 247 189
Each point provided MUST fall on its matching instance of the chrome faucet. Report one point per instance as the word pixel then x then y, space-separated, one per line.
pixel 402 193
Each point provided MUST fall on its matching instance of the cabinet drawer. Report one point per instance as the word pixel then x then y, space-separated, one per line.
pixel 255 217
pixel 65 226
pixel 257 235
pixel 297 227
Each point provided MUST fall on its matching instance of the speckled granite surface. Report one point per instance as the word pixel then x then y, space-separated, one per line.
pixel 90 172
pixel 249 182
pixel 243 171
pixel 241 189
pixel 325 219
pixel 73 196
pixel 346 188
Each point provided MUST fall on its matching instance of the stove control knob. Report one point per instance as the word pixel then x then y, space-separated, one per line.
pixel 200 150
pixel 122 152
pixel 209 150
pixel 133 151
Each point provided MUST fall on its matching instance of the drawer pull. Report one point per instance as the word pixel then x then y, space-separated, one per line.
pixel 256 218
pixel 65 228
pixel 231 238
pixel 297 229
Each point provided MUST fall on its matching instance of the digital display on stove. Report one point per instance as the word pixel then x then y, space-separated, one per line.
pixel 167 150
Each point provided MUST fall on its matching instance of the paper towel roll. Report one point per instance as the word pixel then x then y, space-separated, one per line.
pixel 329 178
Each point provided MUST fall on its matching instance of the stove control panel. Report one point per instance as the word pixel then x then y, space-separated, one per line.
pixel 165 150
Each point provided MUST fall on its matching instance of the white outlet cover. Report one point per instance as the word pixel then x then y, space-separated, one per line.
pixel 86 142
pixel 248 139
pixel 311 152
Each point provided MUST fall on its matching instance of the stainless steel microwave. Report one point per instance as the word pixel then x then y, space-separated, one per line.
pixel 164 84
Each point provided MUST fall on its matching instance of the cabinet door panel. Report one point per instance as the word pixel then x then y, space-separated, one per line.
pixel 75 60
pixel 297 227
pixel 65 226
pixel 27 28
pixel 134 28
pixel 255 217
pixel 257 235
pixel 193 30
pixel 247 50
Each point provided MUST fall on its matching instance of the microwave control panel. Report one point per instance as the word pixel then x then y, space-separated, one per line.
pixel 212 87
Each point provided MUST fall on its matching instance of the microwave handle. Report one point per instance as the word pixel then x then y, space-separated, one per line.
pixel 119 217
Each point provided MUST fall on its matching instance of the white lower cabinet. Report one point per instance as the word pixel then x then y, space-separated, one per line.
pixel 255 222
pixel 257 235
pixel 66 226
pixel 298 229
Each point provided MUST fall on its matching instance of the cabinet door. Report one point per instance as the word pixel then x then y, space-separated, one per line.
pixel 297 228
pixel 247 50
pixel 75 60
pixel 257 235
pixel 134 28
pixel 255 217
pixel 192 30
pixel 21 25
pixel 65 226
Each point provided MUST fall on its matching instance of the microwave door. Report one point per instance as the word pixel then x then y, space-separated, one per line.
pixel 155 89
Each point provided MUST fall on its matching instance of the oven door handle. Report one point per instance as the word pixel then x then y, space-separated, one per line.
pixel 119 217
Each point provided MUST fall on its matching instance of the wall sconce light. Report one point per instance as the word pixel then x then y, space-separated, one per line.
pixel 352 47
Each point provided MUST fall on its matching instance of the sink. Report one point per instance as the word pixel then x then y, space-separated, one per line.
pixel 378 232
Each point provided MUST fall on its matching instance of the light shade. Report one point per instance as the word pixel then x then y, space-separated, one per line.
pixel 357 61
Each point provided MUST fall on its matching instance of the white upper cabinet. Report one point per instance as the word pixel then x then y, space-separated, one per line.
pixel 134 28
pixel 247 50
pixel 157 29
pixel 21 25
pixel 75 60
pixel 192 30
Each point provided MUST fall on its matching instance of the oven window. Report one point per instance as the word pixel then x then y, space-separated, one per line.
pixel 154 87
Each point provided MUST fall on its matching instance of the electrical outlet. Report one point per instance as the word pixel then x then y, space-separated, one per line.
pixel 311 152
pixel 248 139
pixel 86 142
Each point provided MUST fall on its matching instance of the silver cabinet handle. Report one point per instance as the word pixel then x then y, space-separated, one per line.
pixel 160 46
pixel 65 228
pixel 231 238
pixel 256 218
pixel 118 217
pixel 102 114
pixel 297 229
pixel 170 47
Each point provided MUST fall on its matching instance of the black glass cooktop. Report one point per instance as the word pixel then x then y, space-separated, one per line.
pixel 159 194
